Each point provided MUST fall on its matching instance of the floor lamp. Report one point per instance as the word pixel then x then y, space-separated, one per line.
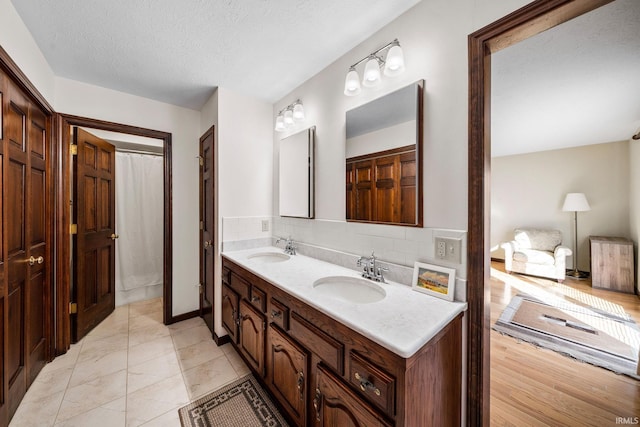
pixel 576 202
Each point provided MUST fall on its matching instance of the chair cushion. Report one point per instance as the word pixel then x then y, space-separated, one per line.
pixel 532 238
pixel 534 256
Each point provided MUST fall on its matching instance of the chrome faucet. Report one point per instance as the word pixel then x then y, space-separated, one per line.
pixel 289 247
pixel 370 269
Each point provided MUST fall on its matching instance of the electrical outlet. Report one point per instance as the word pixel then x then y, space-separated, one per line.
pixel 265 225
pixel 448 249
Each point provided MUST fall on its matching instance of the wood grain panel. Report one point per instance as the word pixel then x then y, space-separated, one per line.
pixel 1 216
pixel 16 210
pixel 90 285
pixel 229 310
pixel 15 330
pixel 37 137
pixel 16 126
pixel 252 342
pixel 90 156
pixel 2 344
pixel 90 203
pixel 103 285
pixel 105 221
pixel 104 161
pixel 37 201
pixel 330 350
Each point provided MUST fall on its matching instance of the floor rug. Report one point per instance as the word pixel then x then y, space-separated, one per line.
pixel 590 335
pixel 243 403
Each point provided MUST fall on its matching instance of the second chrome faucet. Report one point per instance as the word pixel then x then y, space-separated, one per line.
pixel 370 269
pixel 289 247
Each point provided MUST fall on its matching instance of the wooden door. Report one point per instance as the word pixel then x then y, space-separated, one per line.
pixel 335 404
pixel 94 244
pixel 252 328
pixel 288 374
pixel 207 226
pixel 25 294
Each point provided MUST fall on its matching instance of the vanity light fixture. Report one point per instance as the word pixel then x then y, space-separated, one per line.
pixel 393 66
pixel 287 117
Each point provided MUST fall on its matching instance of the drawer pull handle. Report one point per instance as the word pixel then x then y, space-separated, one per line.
pixel 275 313
pixel 366 384
pixel 317 403
pixel 301 384
pixel 255 299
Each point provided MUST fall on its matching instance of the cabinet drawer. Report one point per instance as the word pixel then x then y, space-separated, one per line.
pixel 239 285
pixel 279 314
pixel 376 385
pixel 330 350
pixel 225 275
pixel 258 298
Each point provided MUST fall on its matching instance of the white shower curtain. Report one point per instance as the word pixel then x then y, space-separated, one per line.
pixel 140 224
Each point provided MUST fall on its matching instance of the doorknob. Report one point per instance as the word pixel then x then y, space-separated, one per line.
pixel 113 236
pixel 33 260
pixel 207 244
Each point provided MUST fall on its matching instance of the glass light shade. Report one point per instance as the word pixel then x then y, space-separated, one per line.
pixel 352 83
pixel 298 112
pixel 288 118
pixel 371 73
pixel 279 123
pixel 394 64
pixel 576 202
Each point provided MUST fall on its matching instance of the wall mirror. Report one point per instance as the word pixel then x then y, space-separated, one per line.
pixel 384 159
pixel 296 174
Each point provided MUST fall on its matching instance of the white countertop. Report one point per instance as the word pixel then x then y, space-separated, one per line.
pixel 402 322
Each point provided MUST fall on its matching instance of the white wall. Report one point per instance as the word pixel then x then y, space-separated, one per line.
pixel 528 190
pixel 634 202
pixel 243 164
pixel 383 139
pixel 17 41
pixel 72 97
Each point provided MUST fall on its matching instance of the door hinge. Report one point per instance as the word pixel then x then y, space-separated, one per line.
pixel 73 228
pixel 73 308
pixel 201 288
pixel 73 149
pixel 201 160
pixel 201 225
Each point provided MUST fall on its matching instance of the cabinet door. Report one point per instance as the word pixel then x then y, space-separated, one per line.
pixel 288 374
pixel 252 336
pixel 230 312
pixel 335 404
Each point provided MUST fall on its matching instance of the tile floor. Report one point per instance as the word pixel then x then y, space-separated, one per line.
pixel 131 370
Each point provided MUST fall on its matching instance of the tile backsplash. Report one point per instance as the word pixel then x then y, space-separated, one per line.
pixel 341 242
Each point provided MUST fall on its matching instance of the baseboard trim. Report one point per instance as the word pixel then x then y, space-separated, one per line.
pixel 183 316
pixel 221 340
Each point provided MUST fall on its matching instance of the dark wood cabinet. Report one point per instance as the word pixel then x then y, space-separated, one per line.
pixel 288 373
pixel 230 312
pixel 381 187
pixel 335 404
pixel 251 339
pixel 322 373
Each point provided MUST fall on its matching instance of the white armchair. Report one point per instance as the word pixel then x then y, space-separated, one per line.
pixel 536 252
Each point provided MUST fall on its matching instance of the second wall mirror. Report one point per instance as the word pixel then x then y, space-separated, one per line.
pixel 297 174
pixel 384 159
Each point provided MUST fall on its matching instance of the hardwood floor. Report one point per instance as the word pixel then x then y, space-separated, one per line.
pixel 539 387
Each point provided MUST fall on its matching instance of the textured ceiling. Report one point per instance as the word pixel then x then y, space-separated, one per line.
pixel 575 84
pixel 179 51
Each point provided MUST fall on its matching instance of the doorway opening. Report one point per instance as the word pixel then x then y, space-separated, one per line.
pixel 63 274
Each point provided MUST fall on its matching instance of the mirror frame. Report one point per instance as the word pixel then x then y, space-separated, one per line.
pixel 310 202
pixel 419 161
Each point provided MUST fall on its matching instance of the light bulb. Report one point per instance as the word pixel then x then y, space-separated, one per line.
pixel 371 73
pixel 352 83
pixel 279 123
pixel 298 112
pixel 288 118
pixel 394 65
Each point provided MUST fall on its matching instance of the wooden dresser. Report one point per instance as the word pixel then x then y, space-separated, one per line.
pixel 612 265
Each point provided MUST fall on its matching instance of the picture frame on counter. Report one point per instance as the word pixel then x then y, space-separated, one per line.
pixel 434 280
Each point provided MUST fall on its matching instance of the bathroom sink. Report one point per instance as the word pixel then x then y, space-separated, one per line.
pixel 350 289
pixel 269 257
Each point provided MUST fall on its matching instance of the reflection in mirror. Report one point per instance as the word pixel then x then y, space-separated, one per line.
pixel 296 174
pixel 384 159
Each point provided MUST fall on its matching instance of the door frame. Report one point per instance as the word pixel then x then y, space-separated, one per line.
pixel 526 22
pixel 63 193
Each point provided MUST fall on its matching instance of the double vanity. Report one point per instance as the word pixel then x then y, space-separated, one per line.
pixel 334 349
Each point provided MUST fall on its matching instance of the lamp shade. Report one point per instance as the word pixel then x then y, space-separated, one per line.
pixel 298 112
pixel 352 83
pixel 288 117
pixel 279 123
pixel 576 202
pixel 394 64
pixel 371 73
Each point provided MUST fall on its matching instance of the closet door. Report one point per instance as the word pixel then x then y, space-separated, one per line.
pixel 26 293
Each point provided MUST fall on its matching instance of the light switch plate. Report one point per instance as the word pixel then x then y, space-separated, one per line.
pixel 265 225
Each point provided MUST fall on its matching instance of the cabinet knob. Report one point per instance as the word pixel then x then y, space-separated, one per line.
pixel 275 314
pixel 366 384
pixel 317 403
pixel 33 261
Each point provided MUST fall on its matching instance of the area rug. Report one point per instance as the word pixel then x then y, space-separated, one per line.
pixel 583 333
pixel 243 403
